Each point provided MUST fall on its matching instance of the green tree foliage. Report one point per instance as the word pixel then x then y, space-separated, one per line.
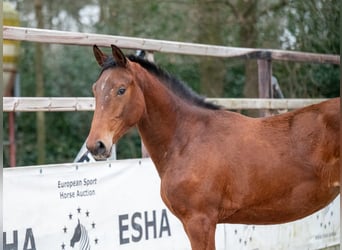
pixel 311 26
pixel 69 71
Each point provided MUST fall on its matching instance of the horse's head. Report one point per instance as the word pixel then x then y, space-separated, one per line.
pixel 119 102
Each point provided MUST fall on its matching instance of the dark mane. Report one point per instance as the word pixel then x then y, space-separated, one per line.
pixel 171 82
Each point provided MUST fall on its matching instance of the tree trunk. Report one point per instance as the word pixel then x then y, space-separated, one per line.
pixel 248 39
pixel 212 70
pixel 39 87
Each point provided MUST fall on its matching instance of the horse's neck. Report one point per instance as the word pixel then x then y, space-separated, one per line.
pixel 159 125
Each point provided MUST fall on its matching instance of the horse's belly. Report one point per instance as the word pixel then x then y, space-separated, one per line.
pixel 282 209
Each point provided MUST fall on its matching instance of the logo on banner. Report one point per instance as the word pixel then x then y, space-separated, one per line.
pixel 29 241
pixel 81 236
pixel 143 226
pixel 79 188
pixel 79 231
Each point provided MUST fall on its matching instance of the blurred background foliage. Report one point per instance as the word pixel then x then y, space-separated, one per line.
pixel 69 71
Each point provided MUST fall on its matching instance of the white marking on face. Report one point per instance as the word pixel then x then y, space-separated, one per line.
pixel 104 83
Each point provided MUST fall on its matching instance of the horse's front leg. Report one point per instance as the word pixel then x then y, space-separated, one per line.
pixel 201 231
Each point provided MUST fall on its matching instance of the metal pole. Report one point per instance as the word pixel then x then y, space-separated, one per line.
pixel 11 119
pixel 11 128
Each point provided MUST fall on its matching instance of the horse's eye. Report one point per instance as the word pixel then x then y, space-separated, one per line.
pixel 121 91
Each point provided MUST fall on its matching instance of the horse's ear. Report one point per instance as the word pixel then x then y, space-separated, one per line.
pixel 118 56
pixel 100 57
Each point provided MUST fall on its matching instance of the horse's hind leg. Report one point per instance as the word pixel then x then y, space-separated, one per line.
pixel 201 232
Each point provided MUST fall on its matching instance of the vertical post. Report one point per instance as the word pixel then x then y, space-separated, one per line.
pixel 11 128
pixel 144 152
pixel 11 119
pixel 265 81
pixel 10 51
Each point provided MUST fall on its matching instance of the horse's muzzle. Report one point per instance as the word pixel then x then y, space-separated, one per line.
pixel 99 150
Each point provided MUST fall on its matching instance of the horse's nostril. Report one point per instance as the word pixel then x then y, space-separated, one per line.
pixel 100 148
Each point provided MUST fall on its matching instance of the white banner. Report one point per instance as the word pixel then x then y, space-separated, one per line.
pixel 116 205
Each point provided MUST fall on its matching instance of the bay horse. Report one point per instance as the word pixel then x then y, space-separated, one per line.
pixel 217 166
